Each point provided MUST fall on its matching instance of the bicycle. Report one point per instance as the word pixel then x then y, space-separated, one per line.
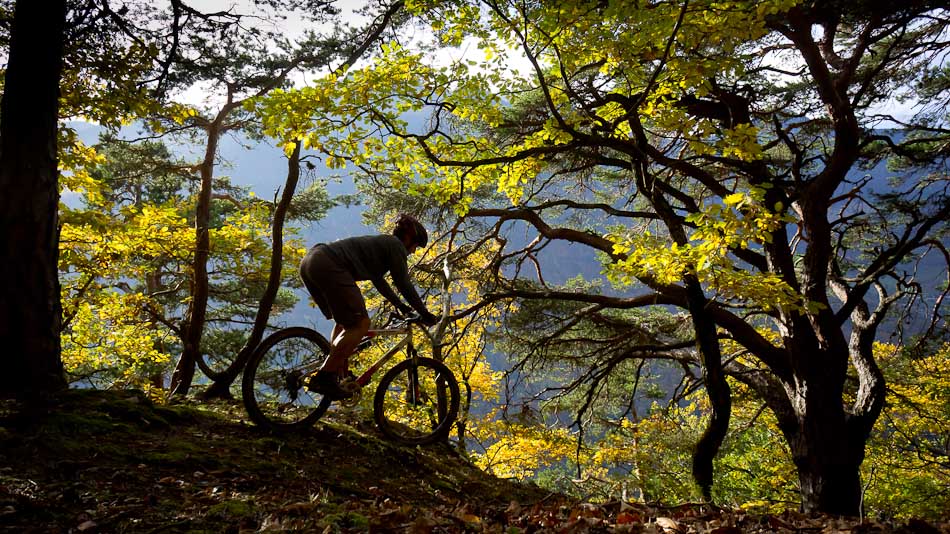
pixel 416 401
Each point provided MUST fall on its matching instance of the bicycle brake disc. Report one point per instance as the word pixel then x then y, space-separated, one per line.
pixel 293 383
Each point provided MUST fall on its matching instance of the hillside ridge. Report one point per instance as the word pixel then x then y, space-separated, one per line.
pixel 95 461
pixel 114 461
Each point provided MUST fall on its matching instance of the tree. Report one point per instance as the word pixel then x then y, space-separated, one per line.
pixel 350 48
pixel 222 381
pixel 30 311
pixel 119 65
pixel 240 63
pixel 712 154
pixel 120 254
pixel 76 44
pixel 242 76
pixel 125 265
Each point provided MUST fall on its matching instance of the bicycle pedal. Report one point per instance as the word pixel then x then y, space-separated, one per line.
pixel 352 400
pixel 350 386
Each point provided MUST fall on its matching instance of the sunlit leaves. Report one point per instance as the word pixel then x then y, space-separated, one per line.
pixel 359 117
pixel 148 233
pixel 519 451
pixel 125 262
pixel 75 161
pixel 909 467
pixel 111 334
pixel 740 221
pixel 112 341
pixel 102 80
pixel 741 143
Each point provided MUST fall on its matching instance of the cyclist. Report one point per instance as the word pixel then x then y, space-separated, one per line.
pixel 330 272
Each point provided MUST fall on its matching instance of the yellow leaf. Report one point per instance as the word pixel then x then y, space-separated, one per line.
pixel 732 199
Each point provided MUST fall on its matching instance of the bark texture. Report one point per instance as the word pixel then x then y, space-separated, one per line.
pixel 30 312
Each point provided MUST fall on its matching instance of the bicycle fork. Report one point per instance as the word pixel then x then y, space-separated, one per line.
pixel 415 394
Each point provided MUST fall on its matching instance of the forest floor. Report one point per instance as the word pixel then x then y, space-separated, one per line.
pixel 103 462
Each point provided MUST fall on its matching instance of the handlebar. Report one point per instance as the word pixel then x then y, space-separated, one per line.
pixel 395 318
pixel 397 321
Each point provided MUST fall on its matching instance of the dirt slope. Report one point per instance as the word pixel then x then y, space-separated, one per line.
pixel 114 462
pixel 104 462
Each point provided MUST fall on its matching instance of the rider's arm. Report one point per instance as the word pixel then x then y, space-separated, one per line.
pixel 400 275
pixel 390 295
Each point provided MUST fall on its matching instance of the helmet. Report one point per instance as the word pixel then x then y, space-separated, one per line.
pixel 422 237
pixel 407 225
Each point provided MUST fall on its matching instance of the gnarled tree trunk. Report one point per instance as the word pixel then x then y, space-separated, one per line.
pixel 717 389
pixel 828 458
pixel 30 312
pixel 827 447
pixel 826 437
pixel 221 385
pixel 193 328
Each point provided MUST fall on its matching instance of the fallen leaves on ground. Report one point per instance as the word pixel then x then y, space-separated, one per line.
pixel 112 462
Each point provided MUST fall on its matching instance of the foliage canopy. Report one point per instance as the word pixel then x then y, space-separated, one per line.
pixel 715 155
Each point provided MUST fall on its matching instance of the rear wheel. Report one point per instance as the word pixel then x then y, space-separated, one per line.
pixel 274 387
pixel 417 401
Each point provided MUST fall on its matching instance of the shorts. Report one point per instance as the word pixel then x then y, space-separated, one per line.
pixel 332 287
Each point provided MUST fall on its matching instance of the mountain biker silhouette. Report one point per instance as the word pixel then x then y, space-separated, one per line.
pixel 330 272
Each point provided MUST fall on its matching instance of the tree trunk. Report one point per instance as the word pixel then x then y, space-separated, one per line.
pixel 828 455
pixel 707 344
pixel 826 438
pixel 221 386
pixel 826 441
pixel 829 477
pixel 30 310
pixel 193 327
pixel 717 389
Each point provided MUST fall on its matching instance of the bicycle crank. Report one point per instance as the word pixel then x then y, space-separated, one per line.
pixel 354 392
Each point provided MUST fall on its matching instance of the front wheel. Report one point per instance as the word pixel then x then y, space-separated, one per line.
pixel 417 401
pixel 274 387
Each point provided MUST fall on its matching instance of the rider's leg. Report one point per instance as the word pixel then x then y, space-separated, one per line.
pixel 337 332
pixel 335 338
pixel 313 269
pixel 344 345
pixel 339 297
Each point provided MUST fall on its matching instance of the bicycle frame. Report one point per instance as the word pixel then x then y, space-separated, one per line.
pixel 405 343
